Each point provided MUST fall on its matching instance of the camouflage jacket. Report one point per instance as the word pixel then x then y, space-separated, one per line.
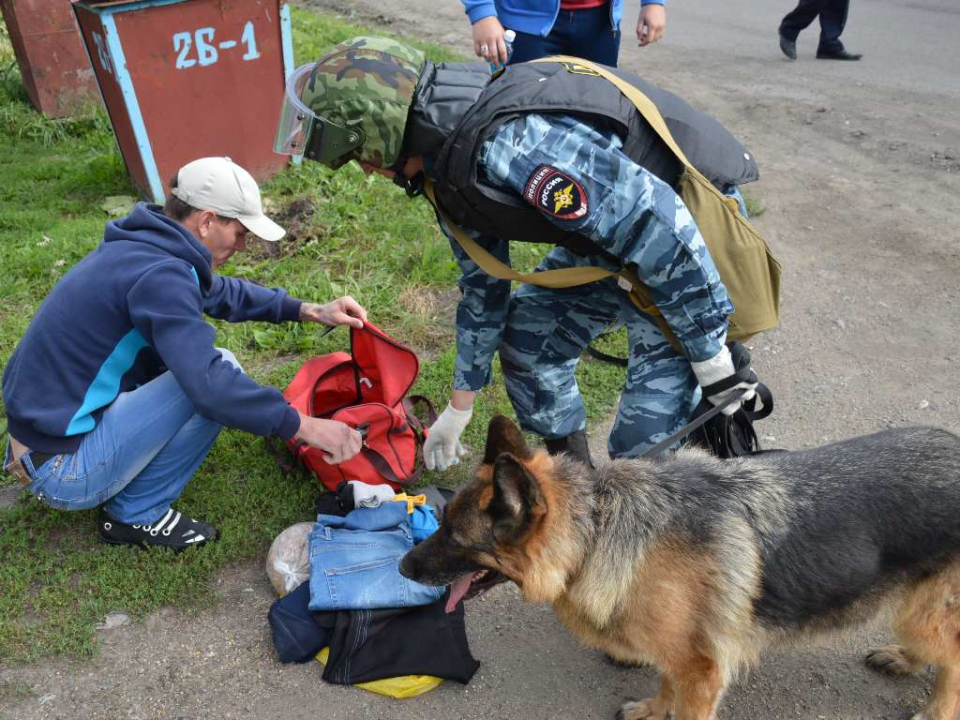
pixel 579 180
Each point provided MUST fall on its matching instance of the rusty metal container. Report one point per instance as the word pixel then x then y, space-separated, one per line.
pixel 184 79
pixel 51 58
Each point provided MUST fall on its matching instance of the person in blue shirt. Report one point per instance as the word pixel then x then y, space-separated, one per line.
pixel 582 28
pixel 116 392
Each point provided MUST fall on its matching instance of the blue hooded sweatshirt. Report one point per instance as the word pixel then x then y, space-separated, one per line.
pixel 534 17
pixel 130 310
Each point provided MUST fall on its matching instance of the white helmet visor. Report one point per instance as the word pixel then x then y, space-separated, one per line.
pixel 296 119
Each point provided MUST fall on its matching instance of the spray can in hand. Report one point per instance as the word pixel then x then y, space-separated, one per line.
pixel 508 37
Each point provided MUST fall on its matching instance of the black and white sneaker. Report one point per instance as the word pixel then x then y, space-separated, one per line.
pixel 173 530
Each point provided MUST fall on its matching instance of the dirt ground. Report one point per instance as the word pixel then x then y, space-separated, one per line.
pixel 860 184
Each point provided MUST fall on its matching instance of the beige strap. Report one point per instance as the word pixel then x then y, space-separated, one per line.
pixel 562 278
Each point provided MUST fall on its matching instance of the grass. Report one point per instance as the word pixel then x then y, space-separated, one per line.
pixel 755 208
pixel 349 234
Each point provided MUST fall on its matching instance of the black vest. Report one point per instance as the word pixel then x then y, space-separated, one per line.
pixel 455 111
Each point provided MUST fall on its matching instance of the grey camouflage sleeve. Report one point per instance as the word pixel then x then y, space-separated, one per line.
pixel 579 180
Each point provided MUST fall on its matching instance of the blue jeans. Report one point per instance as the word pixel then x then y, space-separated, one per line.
pixel 137 460
pixel 355 561
pixel 586 34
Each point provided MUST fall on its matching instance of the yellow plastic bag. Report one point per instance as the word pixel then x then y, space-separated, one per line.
pixel 405 686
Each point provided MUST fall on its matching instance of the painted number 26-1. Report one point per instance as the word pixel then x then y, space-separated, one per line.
pixel 199 48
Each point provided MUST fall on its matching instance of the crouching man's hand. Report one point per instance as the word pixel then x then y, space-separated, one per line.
pixel 342 311
pixel 339 442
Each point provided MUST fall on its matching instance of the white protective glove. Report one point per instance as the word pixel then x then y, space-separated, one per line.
pixel 720 369
pixel 442 447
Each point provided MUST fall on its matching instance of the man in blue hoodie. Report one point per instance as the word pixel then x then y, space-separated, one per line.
pixel 583 28
pixel 116 393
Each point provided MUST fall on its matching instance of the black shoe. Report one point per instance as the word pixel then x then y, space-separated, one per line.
pixel 789 47
pixel 173 530
pixel 574 444
pixel 840 54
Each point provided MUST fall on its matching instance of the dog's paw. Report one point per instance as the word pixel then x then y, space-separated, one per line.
pixel 649 709
pixel 892 660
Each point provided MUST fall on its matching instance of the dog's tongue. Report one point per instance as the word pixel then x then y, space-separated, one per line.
pixel 458 589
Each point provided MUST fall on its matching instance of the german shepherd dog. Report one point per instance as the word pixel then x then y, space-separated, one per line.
pixel 694 564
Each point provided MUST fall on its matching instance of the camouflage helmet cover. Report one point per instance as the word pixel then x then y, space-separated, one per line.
pixel 366 83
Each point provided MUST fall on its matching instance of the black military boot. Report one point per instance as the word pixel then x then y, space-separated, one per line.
pixel 574 444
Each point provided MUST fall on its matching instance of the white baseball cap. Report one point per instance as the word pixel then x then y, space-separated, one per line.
pixel 218 184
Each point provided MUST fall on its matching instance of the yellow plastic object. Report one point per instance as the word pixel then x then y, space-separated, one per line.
pixel 405 686
pixel 411 500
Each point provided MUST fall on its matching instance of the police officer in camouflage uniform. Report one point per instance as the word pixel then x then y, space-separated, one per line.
pixel 542 152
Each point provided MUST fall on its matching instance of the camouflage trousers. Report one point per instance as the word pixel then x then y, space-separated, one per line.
pixel 546 332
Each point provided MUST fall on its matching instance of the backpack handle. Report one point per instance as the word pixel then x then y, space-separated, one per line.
pixel 409 403
pixel 383 467
pixel 419 429
pixel 285 467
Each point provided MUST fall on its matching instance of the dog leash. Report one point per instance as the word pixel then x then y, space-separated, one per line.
pixel 669 442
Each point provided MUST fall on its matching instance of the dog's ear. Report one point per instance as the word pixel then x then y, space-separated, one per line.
pixel 504 437
pixel 517 500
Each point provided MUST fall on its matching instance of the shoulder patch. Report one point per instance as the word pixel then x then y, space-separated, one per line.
pixel 555 193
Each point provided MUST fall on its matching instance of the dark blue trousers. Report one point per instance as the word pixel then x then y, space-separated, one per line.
pixel 585 34
pixel 833 17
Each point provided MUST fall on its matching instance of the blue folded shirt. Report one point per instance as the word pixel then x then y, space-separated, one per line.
pixel 423 522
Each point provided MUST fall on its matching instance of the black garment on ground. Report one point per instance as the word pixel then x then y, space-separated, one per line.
pixel 297 635
pixel 333 503
pixel 345 495
pixel 368 645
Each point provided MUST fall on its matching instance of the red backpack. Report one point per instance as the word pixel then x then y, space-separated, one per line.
pixel 365 389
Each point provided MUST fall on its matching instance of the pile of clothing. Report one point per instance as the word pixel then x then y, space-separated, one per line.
pixel 344 601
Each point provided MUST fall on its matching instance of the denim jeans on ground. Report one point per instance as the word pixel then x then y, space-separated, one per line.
pixel 355 561
pixel 137 460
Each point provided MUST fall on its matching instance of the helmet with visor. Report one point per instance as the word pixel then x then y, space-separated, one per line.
pixel 352 104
